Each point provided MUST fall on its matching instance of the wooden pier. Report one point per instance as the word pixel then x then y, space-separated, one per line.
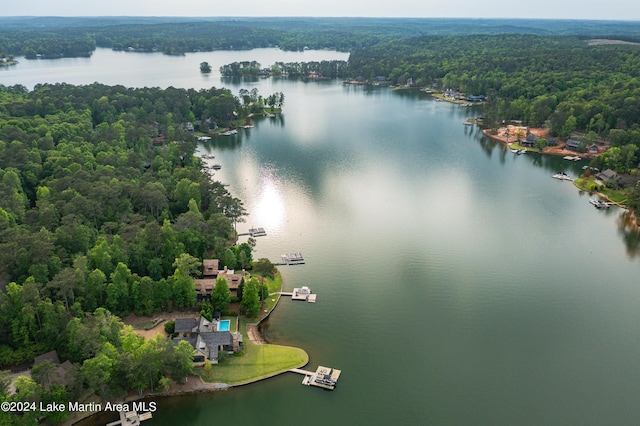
pixel 131 418
pixel 254 232
pixel 324 377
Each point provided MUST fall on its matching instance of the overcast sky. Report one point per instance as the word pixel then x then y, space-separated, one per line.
pixel 558 9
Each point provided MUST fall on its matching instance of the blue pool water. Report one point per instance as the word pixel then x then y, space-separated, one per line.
pixel 224 325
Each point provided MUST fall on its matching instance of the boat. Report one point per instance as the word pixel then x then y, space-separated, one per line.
pixel 515 151
pixel 521 151
pixel 562 176
pixel 229 133
pixel 216 167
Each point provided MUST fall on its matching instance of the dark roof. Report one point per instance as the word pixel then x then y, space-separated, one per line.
pixel 52 356
pixel 185 325
pixel 607 175
pixel 217 338
pixel 574 143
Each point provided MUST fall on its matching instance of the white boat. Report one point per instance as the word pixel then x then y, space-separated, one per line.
pixel 521 151
pixel 562 176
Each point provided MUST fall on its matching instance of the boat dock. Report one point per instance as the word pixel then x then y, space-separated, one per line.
pixel 324 377
pixel 291 259
pixel 599 204
pixel 131 418
pixel 571 158
pixel 303 293
pixel 254 232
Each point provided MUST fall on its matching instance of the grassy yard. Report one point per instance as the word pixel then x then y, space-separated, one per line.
pixel 589 184
pixel 255 362
pixel 274 285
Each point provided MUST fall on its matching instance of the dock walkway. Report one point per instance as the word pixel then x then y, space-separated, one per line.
pixel 303 293
pixel 323 377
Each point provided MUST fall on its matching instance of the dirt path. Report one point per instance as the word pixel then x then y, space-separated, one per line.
pixel 254 335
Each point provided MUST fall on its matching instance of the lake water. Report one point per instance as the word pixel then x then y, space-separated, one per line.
pixel 457 283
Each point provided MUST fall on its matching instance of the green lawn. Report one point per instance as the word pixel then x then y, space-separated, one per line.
pixel 589 184
pixel 255 362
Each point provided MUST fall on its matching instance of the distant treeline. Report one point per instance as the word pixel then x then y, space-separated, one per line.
pixel 56 37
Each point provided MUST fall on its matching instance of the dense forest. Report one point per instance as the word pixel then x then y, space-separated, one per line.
pixel 103 206
pixel 55 37
pixel 563 80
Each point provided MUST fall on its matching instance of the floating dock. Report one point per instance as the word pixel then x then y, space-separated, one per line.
pixel 303 293
pixel 254 232
pixel 599 204
pixel 324 377
pixel 257 232
pixel 293 259
pixel 571 158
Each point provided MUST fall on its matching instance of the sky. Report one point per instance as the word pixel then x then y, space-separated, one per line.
pixel 628 10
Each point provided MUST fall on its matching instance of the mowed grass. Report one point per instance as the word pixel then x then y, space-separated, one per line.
pixel 256 362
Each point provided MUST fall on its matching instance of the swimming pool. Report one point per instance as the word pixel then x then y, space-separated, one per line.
pixel 224 325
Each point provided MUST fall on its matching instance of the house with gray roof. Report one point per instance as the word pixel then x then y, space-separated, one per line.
pixel 207 342
pixel 608 176
pixel 575 145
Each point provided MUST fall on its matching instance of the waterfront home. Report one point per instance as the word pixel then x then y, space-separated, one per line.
pixel 210 274
pixel 205 338
pixel 608 176
pixel 593 149
pixel 574 145
pixel 529 141
pixel 474 98
pixel 59 375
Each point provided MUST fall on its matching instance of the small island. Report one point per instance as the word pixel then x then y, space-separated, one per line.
pixel 205 68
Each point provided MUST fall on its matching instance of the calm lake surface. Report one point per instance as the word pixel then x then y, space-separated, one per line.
pixel 457 283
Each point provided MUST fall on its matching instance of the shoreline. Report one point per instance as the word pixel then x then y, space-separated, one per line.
pixel 555 151
pixel 563 152
pixel 195 384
